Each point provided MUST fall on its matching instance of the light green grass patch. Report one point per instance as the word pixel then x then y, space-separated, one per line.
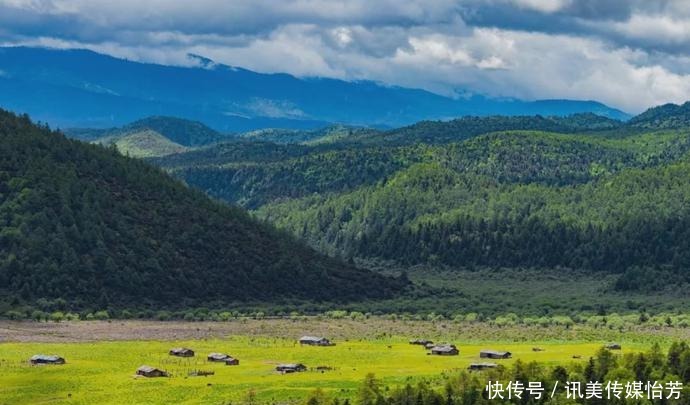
pixel 103 372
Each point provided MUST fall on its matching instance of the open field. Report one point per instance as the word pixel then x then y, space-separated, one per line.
pixel 102 357
pixel 526 291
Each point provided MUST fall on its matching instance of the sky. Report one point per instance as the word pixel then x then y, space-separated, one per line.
pixel 630 54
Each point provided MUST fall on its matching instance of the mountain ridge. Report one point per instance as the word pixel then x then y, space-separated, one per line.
pixel 55 87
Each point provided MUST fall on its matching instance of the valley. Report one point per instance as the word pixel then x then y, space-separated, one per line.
pixel 309 202
pixel 101 367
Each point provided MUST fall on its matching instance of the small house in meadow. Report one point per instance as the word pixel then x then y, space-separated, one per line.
pixel 613 346
pixel 181 352
pixel 315 341
pixel 445 350
pixel 481 366
pixel 291 368
pixel 148 371
pixel 46 359
pixel 494 354
pixel 231 361
pixel 429 346
pixel 421 342
pixel 218 357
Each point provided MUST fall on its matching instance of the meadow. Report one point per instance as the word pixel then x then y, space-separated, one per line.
pixel 101 366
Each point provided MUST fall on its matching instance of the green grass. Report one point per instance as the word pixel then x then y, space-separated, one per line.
pixel 103 372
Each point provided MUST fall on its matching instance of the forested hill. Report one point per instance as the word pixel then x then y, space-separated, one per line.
pixel 178 130
pixel 664 116
pixel 609 200
pixel 82 223
pixel 435 132
pixel 515 200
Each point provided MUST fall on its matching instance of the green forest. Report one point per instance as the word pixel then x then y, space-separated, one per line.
pixel 85 226
pixel 577 193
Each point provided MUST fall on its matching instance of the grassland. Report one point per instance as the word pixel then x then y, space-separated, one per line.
pixel 101 365
pixel 532 292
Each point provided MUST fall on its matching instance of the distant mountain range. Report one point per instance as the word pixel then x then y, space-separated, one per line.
pixel 160 136
pixel 79 88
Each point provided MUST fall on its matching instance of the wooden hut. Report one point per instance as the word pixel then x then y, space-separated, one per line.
pixel 181 352
pixel 613 346
pixel 148 371
pixel 494 354
pixel 315 341
pixel 291 368
pixel 231 361
pixel 217 357
pixel 481 366
pixel 421 342
pixel 46 359
pixel 445 350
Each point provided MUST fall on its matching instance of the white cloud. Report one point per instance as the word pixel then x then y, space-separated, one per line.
pixel 633 56
pixel 658 28
pixel 545 6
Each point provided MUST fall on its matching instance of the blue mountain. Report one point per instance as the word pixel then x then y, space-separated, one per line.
pixel 80 88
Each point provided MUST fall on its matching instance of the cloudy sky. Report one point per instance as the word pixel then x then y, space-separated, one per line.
pixel 630 54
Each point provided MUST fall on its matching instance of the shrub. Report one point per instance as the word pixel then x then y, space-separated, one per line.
pixel 38 315
pixel 57 316
pixel 101 315
pixel 70 316
pixel 189 316
pixel 163 315
pixel 15 315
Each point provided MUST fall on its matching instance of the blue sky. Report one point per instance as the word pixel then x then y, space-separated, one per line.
pixel 630 54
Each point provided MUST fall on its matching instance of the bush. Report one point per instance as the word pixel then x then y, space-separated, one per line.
pixel 163 315
pixel 189 316
pixel 38 315
pixel 472 317
pixel 15 315
pixel 336 314
pixel 57 316
pixel 357 316
pixel 101 315
pixel 70 316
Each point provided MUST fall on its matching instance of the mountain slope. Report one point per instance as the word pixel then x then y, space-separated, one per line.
pixel 75 88
pixel 152 136
pixel 326 135
pixel 521 199
pixel 664 116
pixel 85 224
pixel 143 143
pixel 178 130
pixel 436 132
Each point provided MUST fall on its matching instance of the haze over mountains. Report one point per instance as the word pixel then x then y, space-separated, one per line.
pixel 77 88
